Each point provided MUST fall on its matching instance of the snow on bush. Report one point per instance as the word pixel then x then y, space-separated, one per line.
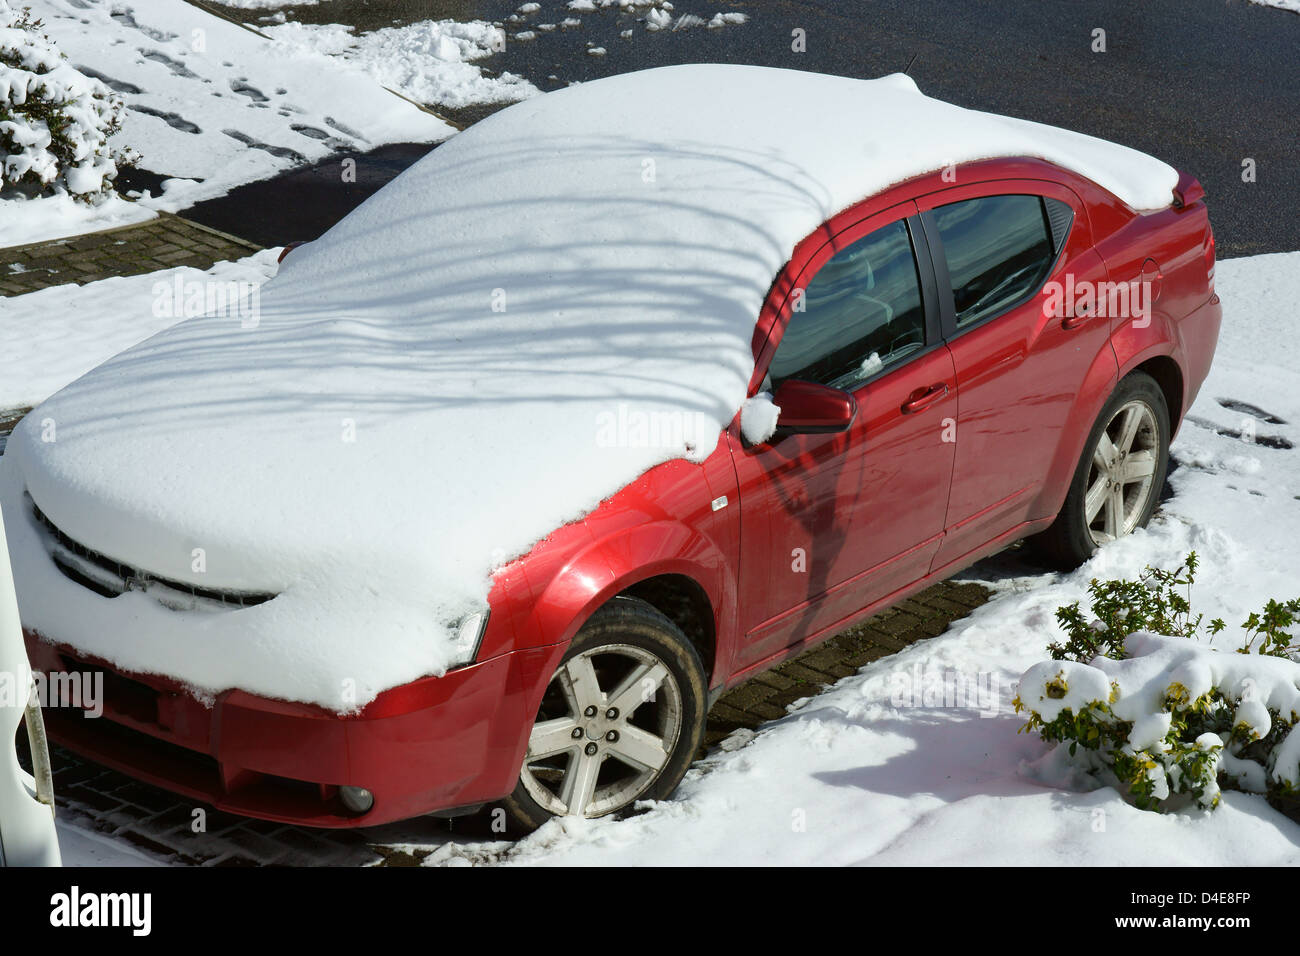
pixel 54 120
pixel 1164 718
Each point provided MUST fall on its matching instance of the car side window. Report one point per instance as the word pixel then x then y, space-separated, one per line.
pixel 861 313
pixel 999 250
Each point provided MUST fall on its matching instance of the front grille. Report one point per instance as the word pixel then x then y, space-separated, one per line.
pixel 110 578
pixel 122 695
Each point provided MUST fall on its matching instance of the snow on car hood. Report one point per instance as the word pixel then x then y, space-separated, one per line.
pixel 551 303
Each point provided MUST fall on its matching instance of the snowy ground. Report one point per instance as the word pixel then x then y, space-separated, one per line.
pixel 432 61
pixel 876 770
pixel 652 15
pixel 103 318
pixel 208 100
pixel 215 105
pixel 81 847
pixel 52 217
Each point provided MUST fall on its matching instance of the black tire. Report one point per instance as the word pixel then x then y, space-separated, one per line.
pixel 1068 541
pixel 626 625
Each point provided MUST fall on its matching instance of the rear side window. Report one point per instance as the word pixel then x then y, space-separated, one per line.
pixel 862 312
pixel 999 250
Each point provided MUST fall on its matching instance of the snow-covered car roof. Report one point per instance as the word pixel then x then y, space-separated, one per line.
pixel 552 302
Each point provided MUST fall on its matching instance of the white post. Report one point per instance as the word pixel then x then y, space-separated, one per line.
pixel 27 833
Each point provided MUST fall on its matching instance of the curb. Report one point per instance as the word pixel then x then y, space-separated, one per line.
pixel 228 237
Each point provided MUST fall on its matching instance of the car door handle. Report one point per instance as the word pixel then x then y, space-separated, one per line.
pixel 925 399
pixel 1079 317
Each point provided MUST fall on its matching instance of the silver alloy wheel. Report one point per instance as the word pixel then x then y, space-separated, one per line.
pixel 1122 473
pixel 612 721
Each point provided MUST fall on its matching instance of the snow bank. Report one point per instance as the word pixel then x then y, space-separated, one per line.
pixel 430 61
pixel 662 19
pixel 423 393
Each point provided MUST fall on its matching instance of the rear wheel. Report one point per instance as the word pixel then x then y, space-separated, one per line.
pixel 1116 486
pixel 619 722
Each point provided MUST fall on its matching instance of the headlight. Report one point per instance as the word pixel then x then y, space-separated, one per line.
pixel 469 635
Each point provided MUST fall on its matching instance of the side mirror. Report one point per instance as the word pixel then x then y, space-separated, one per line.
pixel 811 409
pixel 289 247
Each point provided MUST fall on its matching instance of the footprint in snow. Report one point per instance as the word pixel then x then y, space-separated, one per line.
pixel 1249 491
pixel 241 86
pixel 176 66
pixel 280 151
pixel 1254 411
pixel 333 142
pixel 118 86
pixel 1268 441
pixel 345 130
pixel 171 119
pixel 125 18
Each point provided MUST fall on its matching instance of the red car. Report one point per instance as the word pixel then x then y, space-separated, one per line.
pixel 981 351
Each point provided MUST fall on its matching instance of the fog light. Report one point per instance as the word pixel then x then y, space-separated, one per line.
pixel 356 799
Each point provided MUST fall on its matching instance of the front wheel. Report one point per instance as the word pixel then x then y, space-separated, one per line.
pixel 620 721
pixel 1117 484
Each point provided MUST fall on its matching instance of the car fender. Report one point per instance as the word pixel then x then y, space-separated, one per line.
pixel 589 579
pixel 1136 342
pixel 617 561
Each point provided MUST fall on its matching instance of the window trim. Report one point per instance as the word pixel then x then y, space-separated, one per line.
pixel 939 262
pixel 931 302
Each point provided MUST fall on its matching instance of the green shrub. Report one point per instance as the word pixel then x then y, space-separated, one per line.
pixel 1166 720
pixel 1161 602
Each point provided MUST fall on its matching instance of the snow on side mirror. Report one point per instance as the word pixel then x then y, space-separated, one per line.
pixel 797 408
pixel 758 418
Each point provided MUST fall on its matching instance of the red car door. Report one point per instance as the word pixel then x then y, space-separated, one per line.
pixel 1006 255
pixel 833 522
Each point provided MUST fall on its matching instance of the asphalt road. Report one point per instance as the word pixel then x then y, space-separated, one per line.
pixel 1202 84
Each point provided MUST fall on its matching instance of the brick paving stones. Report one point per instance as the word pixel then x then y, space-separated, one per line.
pixel 162 243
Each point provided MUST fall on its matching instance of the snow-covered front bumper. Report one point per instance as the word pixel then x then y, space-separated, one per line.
pixel 117 585
pixel 439 743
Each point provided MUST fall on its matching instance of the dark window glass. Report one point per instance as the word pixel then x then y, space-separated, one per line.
pixel 861 313
pixel 998 249
pixel 1060 216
